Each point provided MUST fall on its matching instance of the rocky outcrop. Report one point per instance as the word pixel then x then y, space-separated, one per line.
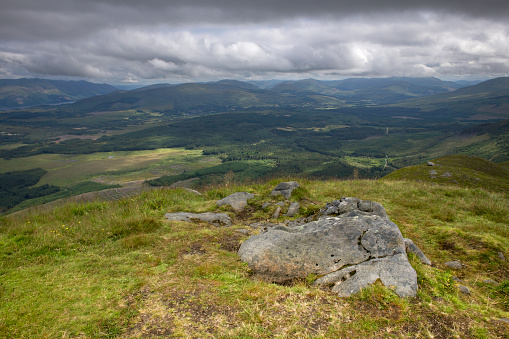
pixel 351 245
pixel 285 189
pixel 219 219
pixel 238 201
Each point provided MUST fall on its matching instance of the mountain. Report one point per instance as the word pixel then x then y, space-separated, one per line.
pixel 16 93
pixel 369 91
pixel 488 99
pixel 223 95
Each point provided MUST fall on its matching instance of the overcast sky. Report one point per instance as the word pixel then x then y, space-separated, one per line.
pixel 148 41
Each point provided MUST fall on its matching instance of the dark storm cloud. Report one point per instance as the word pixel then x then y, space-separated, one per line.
pixel 114 40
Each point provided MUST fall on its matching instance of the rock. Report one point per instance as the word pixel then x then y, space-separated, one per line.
pixel 464 289
pixel 412 248
pixel 221 219
pixel 431 163
pixel 243 231
pixel 394 271
pixel 285 189
pixel 265 205
pixel 293 209
pixel 447 175
pixel 501 256
pixel 454 264
pixel 277 213
pixel 504 320
pixel 238 201
pixel 490 281
pixel 352 249
pixel 433 174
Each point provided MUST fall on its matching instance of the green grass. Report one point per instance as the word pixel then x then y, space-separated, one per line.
pixel 118 269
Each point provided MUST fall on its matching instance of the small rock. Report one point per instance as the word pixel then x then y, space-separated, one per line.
pixel 490 281
pixel 280 204
pixel 501 256
pixel 243 231
pixel 238 201
pixel 504 320
pixel 293 209
pixel 457 279
pixel 411 247
pixel 276 214
pixel 285 189
pixel 454 264
pixel 265 205
pixel 211 218
pixel 464 289
pixel 431 163
pixel 446 175
pixel 433 173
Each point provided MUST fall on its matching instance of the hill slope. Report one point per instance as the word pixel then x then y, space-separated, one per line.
pixel 118 269
pixel 16 93
pixel 458 170
pixel 489 98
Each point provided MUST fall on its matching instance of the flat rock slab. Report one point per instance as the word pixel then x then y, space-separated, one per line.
pixel 238 201
pixel 360 239
pixel 285 189
pixel 220 219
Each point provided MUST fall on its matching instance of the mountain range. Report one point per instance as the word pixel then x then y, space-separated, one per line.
pixel 18 93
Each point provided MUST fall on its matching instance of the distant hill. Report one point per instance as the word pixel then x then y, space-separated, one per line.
pixel 458 170
pixel 489 99
pixel 16 93
pixel 224 95
pixel 369 91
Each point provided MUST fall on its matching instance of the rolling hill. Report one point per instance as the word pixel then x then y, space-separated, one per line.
pixel 486 100
pixel 17 93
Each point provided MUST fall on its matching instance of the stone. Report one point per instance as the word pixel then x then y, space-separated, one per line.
pixel 238 201
pixel 351 245
pixel 412 248
pixel 454 264
pixel 285 189
pixel 277 213
pixel 430 163
pixel 433 174
pixel 242 231
pixel 490 281
pixel 293 209
pixel 504 320
pixel 265 205
pixel 220 219
pixel 447 174
pixel 464 289
pixel 501 256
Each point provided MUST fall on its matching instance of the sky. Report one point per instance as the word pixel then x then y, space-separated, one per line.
pixel 151 41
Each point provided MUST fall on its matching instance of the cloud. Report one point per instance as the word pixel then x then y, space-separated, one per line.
pixel 127 40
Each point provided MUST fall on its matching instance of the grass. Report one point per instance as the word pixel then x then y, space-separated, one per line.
pixel 118 269
pixel 109 167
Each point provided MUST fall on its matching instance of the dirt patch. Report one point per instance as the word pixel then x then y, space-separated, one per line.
pixel 230 243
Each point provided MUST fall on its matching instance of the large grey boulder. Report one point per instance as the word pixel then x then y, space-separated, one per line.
pixel 238 201
pixel 351 245
pixel 285 189
pixel 220 219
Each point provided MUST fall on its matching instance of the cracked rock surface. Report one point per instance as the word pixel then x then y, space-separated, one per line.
pixel 351 245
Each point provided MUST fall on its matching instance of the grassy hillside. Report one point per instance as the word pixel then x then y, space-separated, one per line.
pixel 118 269
pixel 460 171
pixel 483 101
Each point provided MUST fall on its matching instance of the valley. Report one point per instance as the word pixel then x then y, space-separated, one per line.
pixel 306 128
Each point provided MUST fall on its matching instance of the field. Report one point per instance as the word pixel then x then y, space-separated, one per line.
pixel 119 270
pixel 110 167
